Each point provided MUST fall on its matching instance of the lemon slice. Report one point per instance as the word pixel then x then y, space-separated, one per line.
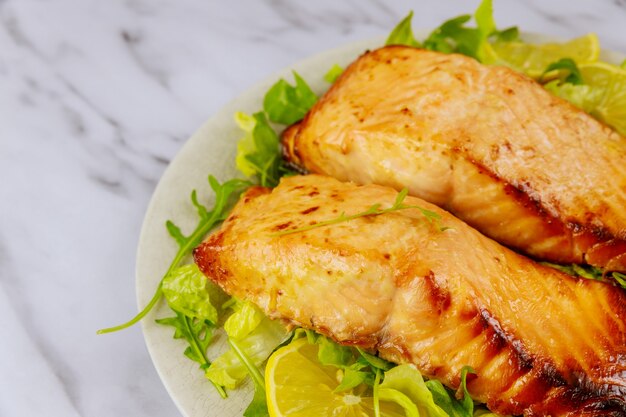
pixel 609 82
pixel 532 59
pixel 298 385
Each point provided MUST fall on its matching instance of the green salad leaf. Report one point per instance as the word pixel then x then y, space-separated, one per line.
pixel 256 336
pixel 454 36
pixel 333 73
pixel 446 399
pixel 286 104
pixel 404 385
pixel 198 333
pixel 258 405
pixel 258 152
pixel 224 194
pixel 573 75
pixel 402 34
pixel 187 291
pixel 331 353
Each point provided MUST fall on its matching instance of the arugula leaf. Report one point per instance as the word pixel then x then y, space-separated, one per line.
pixel 286 104
pixel 573 73
pixel 590 272
pixel 376 394
pixel 208 219
pixel 623 65
pixel 454 36
pixel 333 73
pixel 402 34
pixel 186 290
pixel 258 406
pixel 198 334
pixel 373 210
pixel 447 37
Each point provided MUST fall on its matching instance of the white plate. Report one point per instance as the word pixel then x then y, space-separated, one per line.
pixel 211 150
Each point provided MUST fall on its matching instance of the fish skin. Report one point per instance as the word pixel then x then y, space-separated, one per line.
pixel 542 343
pixel 486 143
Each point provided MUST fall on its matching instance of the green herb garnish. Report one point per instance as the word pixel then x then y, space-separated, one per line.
pixel 258 405
pixel 590 272
pixel 374 210
pixel 208 219
pixel 198 334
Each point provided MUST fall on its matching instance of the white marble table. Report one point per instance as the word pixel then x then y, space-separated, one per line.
pixel 96 97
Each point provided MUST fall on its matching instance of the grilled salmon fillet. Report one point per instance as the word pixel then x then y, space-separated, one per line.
pixel 541 342
pixel 486 143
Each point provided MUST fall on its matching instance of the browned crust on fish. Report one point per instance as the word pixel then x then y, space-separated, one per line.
pixel 542 343
pixel 560 234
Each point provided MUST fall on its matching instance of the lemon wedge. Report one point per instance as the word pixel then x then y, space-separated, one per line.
pixel 532 59
pixel 609 83
pixel 298 385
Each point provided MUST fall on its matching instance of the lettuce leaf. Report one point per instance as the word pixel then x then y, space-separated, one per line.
pixel 333 73
pixel 258 152
pixel 446 399
pixel 405 386
pixel 187 291
pixel 256 338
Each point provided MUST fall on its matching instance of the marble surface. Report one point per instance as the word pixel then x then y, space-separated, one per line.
pixel 96 97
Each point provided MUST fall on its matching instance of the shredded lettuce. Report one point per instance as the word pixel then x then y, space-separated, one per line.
pixel 255 334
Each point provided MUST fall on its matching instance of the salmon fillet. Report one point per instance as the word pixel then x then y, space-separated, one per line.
pixel 541 342
pixel 486 143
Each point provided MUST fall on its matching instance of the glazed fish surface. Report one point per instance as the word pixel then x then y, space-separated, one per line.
pixel 486 143
pixel 541 342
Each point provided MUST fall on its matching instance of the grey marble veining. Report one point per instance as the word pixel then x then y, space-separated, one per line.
pixel 96 99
